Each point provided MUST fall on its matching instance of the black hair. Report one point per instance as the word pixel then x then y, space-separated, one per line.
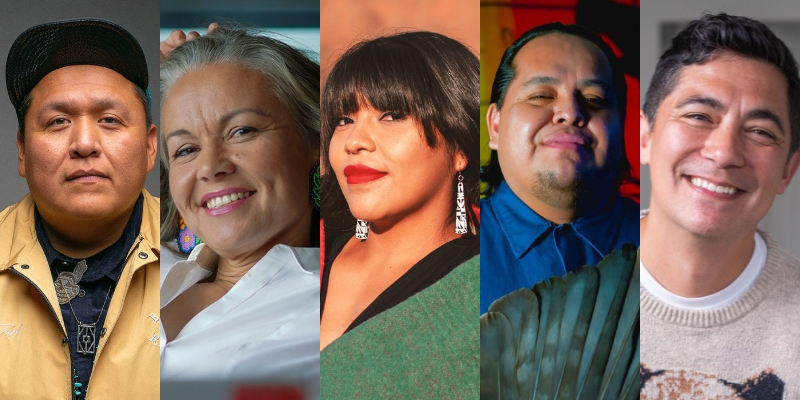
pixel 713 35
pixel 432 78
pixel 492 175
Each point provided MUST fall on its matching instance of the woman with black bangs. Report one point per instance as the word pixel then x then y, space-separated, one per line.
pixel 400 285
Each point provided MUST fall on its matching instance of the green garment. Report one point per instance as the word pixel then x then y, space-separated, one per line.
pixel 425 347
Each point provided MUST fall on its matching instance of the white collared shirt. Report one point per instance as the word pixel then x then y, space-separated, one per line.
pixel 266 328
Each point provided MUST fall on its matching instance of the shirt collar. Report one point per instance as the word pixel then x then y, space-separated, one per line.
pixel 109 261
pixel 523 227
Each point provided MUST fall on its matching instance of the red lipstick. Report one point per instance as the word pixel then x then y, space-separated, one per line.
pixel 357 174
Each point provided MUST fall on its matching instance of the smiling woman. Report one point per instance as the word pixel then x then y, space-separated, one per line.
pixel 240 136
pixel 400 148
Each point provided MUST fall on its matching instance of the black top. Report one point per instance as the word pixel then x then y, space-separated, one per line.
pixel 424 273
pixel 97 283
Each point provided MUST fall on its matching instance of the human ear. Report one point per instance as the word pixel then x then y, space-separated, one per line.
pixel 20 154
pixel 788 171
pixel 493 122
pixel 644 139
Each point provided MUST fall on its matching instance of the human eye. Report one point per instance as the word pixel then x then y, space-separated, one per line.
pixel 184 151
pixel 58 121
pixel 393 116
pixel 242 131
pixel 697 117
pixel 541 96
pixel 764 136
pixel 596 102
pixel 342 121
pixel 110 120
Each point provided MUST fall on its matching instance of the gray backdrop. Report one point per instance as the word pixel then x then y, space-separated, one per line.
pixel 141 18
pixel 660 20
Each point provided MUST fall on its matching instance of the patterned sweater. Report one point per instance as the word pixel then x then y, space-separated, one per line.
pixel 747 350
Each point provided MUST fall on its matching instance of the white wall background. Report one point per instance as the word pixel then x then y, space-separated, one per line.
pixel 783 16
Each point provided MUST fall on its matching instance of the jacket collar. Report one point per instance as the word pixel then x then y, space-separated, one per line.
pixel 19 246
pixel 523 227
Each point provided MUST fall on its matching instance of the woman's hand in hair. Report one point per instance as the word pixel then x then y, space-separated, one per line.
pixel 177 37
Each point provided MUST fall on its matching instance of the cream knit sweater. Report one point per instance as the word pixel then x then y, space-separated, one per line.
pixel 747 350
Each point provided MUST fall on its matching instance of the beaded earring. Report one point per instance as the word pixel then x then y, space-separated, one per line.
pixel 362 229
pixel 314 187
pixel 461 207
pixel 187 240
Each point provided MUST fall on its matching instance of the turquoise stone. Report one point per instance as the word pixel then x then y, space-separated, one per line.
pixel 78 384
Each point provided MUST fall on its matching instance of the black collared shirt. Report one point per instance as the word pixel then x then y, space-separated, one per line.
pixel 96 288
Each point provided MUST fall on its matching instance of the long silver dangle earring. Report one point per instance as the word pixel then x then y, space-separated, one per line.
pixel 461 207
pixel 362 229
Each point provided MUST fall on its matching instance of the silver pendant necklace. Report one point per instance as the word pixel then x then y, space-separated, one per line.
pixel 67 283
pixel 86 338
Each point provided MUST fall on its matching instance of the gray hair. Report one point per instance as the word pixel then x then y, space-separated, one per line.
pixel 291 75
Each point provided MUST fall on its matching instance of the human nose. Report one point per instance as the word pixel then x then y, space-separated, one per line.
pixel 724 146
pixel 360 138
pixel 85 140
pixel 567 110
pixel 214 163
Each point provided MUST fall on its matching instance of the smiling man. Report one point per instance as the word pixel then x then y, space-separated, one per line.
pixel 79 278
pixel 720 301
pixel 555 128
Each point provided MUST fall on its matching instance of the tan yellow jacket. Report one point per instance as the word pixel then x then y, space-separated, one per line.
pixel 34 353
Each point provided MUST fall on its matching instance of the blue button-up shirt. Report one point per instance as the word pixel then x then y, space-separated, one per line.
pixel 519 248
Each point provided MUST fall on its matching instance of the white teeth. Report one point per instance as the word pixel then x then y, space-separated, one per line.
pixel 218 202
pixel 699 182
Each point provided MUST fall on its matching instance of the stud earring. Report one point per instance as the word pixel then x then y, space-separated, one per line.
pixel 362 229
pixel 461 207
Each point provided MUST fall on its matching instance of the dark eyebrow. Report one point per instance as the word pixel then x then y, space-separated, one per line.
pixel 222 121
pixel 706 101
pixel 761 113
pixel 597 83
pixel 541 80
pixel 65 106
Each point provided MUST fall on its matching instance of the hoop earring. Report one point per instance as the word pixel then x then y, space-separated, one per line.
pixel 186 239
pixel 461 207
pixel 314 186
pixel 362 229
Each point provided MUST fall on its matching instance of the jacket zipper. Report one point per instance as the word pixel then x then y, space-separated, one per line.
pixel 53 312
pixel 128 257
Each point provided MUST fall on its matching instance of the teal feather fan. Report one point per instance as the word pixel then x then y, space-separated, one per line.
pixel 575 337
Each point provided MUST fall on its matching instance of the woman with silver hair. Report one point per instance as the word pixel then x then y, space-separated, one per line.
pixel 240 146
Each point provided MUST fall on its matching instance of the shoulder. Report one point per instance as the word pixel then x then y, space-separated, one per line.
pixel 781 260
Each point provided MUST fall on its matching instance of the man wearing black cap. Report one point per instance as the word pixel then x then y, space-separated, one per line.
pixel 79 284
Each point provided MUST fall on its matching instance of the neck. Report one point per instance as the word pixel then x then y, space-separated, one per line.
pixel 689 265
pixel 568 210
pixel 408 239
pixel 231 267
pixel 82 238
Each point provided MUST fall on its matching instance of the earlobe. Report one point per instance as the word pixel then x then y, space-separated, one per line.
pixel 460 161
pixel 493 123
pixel 20 154
pixel 644 139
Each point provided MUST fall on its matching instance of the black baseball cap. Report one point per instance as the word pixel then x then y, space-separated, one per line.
pixel 48 47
